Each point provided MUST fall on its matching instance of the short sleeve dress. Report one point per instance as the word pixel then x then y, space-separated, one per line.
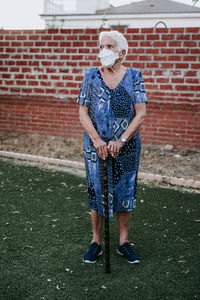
pixel 111 112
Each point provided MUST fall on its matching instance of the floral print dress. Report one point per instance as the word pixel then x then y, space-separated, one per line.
pixel 111 112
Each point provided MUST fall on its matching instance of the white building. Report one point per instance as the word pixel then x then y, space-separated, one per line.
pixel 99 13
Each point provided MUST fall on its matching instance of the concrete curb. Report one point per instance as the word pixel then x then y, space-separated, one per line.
pixel 150 177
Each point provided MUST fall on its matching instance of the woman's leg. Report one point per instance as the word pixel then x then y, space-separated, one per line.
pixel 123 219
pixel 96 226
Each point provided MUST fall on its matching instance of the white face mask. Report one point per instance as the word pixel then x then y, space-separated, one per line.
pixel 108 57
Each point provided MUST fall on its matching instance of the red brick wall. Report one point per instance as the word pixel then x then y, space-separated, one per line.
pixel 41 72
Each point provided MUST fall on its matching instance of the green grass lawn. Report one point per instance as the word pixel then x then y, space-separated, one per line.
pixel 45 230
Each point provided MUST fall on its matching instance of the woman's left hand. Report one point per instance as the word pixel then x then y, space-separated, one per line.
pixel 114 147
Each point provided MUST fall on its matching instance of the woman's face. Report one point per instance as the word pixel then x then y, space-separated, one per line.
pixel 108 43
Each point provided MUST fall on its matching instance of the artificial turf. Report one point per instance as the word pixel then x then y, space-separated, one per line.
pixel 45 230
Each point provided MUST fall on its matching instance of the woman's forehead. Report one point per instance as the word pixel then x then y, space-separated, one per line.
pixel 108 40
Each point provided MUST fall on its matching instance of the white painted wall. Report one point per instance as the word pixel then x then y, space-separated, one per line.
pixel 133 21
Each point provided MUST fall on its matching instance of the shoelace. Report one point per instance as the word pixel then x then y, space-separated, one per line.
pixel 127 247
pixel 95 250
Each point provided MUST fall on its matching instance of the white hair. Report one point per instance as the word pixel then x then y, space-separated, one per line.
pixel 118 37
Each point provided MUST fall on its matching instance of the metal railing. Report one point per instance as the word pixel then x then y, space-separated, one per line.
pixel 59 6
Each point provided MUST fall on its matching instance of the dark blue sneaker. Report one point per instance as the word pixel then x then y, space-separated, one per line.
pixel 129 253
pixel 92 253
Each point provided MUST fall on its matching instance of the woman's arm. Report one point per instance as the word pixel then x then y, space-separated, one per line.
pixel 98 143
pixel 140 115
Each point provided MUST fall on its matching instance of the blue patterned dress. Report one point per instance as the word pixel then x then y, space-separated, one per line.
pixel 111 112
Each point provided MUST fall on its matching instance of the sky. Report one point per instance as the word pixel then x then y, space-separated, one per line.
pixel 24 14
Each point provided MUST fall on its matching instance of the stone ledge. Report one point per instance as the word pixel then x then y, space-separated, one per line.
pixel 150 177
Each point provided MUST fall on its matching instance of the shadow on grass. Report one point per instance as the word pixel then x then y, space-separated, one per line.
pixel 45 229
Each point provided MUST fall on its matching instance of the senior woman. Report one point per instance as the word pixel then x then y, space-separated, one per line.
pixel 112 108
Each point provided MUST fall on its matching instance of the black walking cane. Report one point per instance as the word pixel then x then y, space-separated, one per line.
pixel 107 244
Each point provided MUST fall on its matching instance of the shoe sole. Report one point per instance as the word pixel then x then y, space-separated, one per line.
pixel 130 262
pixel 92 262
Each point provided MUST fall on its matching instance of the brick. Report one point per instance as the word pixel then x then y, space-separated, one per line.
pixel 2 56
pixel 6 44
pixel 192 80
pixel 160 58
pixel 26 90
pixel 78 44
pixel 40 44
pixel 91 44
pixel 59 63
pixel 192 29
pixel 174 58
pixel 175 44
pixel 146 44
pixel 167 65
pixel 46 63
pixel 138 37
pixel 166 87
pixel 32 82
pixel 66 31
pixel 59 38
pixel 153 37
pixel 147 30
pixel 45 83
pixel 28 44
pixel 168 37
pixel 72 37
pixel 182 50
pixel 191 73
pixel 21 63
pixel 132 30
pixel 10 50
pixel 189 58
pixel 152 51
pixel 26 70
pixel 46 37
pixel 33 63
pixel 20 82
pixel 177 30
pixel 195 51
pixel 52 31
pixel 145 58
pixel 160 44
pixel 84 37
pixel 34 37
pixel 177 80
pixel 84 50
pixel 21 37
pixel 27 56
pixel 162 80
pixel 131 57
pixel 195 66
pixel 46 50
pixel 190 44
pixel 10 37
pixel 91 31
pixel 19 76
pixel 167 51
pixel 182 65
pixel 52 44
pixel 183 37
pixel 134 44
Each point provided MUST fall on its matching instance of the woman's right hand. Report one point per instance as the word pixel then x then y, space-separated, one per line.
pixel 101 148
